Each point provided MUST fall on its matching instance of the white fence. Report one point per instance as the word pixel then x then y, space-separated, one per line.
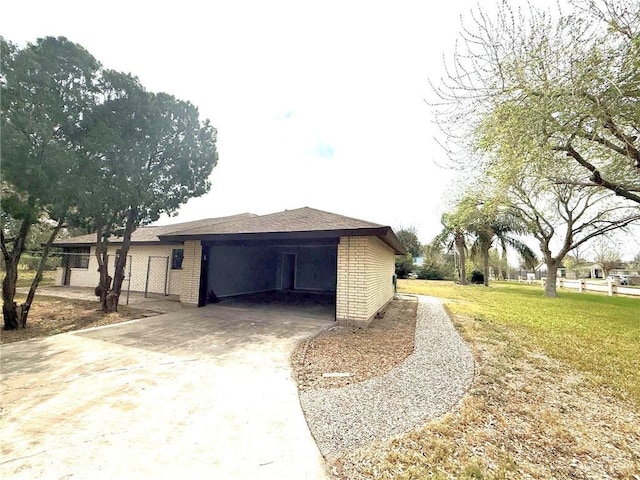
pixel 609 287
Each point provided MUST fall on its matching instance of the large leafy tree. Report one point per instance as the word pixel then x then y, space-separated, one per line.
pixel 148 154
pixel 549 87
pixel 562 217
pixel 46 88
pixel 408 236
pixel 93 148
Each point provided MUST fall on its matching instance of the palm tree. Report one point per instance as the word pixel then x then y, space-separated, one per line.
pixel 454 235
pixel 502 229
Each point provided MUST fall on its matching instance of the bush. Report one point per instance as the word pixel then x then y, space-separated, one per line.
pixel 477 277
pixel 29 261
pixel 404 266
pixel 430 272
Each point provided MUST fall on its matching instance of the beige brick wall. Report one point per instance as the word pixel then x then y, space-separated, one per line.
pixel 190 285
pixel 138 262
pixel 365 269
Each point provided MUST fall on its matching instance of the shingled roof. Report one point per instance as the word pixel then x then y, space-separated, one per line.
pixel 151 234
pixel 302 223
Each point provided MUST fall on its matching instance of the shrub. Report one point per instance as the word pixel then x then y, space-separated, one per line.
pixel 477 277
pixel 404 266
pixel 29 261
pixel 430 272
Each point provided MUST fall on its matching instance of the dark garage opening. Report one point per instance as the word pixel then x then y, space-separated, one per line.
pixel 294 272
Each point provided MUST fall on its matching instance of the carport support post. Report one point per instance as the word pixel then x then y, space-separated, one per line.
pixel 166 277
pixel 191 272
pixel 146 282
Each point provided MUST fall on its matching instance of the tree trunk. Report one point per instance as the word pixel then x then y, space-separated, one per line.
pixel 9 307
pixel 504 265
pixel 111 302
pixel 552 275
pixel 460 247
pixel 485 266
pixel 112 298
pixel 26 306
pixel 103 231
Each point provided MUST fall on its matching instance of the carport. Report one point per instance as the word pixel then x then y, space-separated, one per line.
pixel 298 253
pixel 241 267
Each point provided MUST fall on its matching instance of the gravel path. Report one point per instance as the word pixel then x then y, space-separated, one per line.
pixel 424 387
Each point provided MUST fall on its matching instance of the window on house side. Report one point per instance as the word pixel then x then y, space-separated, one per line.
pixel 177 255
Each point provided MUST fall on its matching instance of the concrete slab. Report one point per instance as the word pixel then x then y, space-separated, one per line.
pixel 202 393
pixel 154 301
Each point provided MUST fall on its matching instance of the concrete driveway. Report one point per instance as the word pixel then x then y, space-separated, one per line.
pixel 201 393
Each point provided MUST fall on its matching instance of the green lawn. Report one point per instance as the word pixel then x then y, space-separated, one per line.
pixel 596 334
pixel 25 277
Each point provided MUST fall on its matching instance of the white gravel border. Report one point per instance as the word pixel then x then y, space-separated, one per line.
pixel 425 386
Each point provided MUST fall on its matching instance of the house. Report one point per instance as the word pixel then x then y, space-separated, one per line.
pixel 541 271
pixel 585 270
pixel 304 250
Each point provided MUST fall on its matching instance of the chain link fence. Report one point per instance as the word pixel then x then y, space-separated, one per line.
pixel 153 275
pixel 75 269
pixel 157 276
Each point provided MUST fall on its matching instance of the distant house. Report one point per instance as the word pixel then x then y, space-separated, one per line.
pixel 541 271
pixel 586 270
pixel 304 250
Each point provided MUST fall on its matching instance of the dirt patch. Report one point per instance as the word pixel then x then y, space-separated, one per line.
pixel 342 355
pixel 50 316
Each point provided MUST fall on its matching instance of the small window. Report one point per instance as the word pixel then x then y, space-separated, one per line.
pixel 76 257
pixel 176 258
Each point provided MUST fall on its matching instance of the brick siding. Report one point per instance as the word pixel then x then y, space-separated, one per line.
pixel 365 278
pixel 190 288
pixel 156 259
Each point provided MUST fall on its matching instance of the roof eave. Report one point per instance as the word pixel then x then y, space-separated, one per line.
pixel 384 233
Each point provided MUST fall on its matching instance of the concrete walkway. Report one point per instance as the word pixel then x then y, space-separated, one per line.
pixel 201 393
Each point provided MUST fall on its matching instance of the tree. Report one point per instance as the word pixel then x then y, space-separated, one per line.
pixel 575 261
pixel 409 239
pixel 542 87
pixel 46 88
pixel 490 226
pixel 437 263
pixel 607 255
pixel 404 265
pixel 635 263
pixel 562 217
pixel 454 236
pixel 147 154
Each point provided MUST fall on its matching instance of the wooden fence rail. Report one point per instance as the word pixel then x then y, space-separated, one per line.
pixel 583 286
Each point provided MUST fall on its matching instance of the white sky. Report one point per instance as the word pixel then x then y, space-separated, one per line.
pixel 317 104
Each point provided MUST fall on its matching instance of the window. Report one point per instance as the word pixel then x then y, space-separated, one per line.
pixel 176 258
pixel 76 257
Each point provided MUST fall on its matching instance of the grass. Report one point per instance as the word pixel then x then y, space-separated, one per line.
pixel 25 277
pixel 595 334
pixel 555 392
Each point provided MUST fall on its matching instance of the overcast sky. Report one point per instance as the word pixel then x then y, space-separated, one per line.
pixel 317 104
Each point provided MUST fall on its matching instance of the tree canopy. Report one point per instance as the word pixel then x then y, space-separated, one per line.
pixel 149 153
pixel 131 154
pixel 409 238
pixel 529 86
pixel 46 88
